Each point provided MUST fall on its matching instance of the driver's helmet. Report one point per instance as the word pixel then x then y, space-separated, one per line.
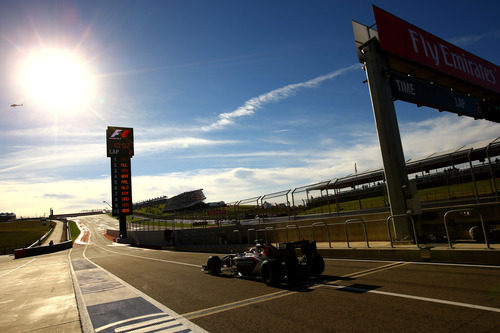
pixel 259 247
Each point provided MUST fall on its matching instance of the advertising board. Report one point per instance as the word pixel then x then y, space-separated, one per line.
pixel 407 41
pixel 423 93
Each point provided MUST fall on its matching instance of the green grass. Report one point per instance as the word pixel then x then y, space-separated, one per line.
pixel 73 230
pixel 18 234
pixel 144 222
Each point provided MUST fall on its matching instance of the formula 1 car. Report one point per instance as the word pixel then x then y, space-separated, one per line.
pixel 269 263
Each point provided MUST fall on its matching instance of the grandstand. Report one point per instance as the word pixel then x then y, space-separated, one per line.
pixel 151 202
pixel 4 217
pixel 186 200
pixel 470 172
pixel 468 163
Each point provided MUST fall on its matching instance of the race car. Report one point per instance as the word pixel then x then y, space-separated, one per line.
pixel 269 263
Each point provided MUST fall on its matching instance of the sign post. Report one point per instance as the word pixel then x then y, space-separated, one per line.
pixel 120 148
pixel 407 63
pixel 389 138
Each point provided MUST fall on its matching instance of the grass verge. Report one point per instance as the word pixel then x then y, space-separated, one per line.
pixel 18 234
pixel 73 230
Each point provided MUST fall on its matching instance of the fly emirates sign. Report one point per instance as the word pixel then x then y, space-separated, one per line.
pixel 407 41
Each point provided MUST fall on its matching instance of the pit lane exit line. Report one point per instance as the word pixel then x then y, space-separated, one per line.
pixel 122 309
pixel 155 259
pixel 276 295
pixel 15 269
pixel 418 298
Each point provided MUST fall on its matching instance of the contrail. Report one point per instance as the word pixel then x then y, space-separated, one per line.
pixel 275 95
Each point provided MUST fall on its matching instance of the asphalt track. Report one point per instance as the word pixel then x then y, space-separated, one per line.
pixel 351 296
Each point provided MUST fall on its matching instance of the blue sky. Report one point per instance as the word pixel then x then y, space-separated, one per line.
pixel 240 98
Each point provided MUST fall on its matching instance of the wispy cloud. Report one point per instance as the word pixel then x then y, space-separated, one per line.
pixel 230 60
pixel 467 40
pixel 155 146
pixel 231 184
pixel 255 103
pixel 51 157
pixel 256 154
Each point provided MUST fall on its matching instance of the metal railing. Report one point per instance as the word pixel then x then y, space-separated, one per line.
pixel 466 212
pixel 327 231
pixel 315 231
pixel 265 230
pixel 357 220
pixel 412 225
pixel 248 235
pixel 288 227
pixel 239 235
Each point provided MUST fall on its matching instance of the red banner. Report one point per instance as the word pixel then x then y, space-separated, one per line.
pixel 405 40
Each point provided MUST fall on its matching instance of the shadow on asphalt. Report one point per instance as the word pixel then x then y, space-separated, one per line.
pixel 299 285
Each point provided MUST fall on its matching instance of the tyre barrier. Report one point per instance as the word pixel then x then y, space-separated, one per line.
pixel 35 251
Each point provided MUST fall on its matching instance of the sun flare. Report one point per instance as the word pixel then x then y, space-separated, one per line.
pixel 57 80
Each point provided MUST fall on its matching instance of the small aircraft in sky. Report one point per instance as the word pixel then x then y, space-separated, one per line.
pixel 14 105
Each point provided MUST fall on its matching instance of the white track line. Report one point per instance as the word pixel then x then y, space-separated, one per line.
pixel 419 298
pixel 417 263
pixel 15 269
pixel 149 258
pixel 117 323
pixel 148 298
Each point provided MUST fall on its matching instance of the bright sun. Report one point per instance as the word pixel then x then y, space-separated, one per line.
pixel 57 80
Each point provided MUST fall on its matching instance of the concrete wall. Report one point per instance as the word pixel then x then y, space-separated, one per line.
pixel 34 251
pixel 376 227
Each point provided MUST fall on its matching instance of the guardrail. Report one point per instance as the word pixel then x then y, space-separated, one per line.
pixel 239 235
pixel 265 230
pixel 40 241
pixel 358 220
pixel 34 251
pixel 292 226
pixel 465 211
pixel 412 225
pixel 248 234
pixel 327 231
pixel 323 231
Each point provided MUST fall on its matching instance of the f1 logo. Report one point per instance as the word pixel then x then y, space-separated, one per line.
pixel 120 133
pixel 116 133
pixel 119 141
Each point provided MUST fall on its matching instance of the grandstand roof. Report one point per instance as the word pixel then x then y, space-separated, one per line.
pixel 184 200
pixel 463 154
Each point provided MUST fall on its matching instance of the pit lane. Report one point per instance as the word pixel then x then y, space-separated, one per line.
pixel 351 296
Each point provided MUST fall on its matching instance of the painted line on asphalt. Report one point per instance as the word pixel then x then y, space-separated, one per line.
pixel 143 302
pixel 152 325
pixel 237 304
pixel 149 258
pixel 374 270
pixel 419 298
pixel 15 269
pixel 128 320
pixel 417 263
pixel 279 294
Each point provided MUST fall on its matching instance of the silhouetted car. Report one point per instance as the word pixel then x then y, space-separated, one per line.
pixel 269 263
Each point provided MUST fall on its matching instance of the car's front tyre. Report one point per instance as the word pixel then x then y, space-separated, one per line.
pixel 214 265
pixel 270 272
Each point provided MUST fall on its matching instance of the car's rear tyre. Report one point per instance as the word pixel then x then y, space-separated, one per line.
pixel 214 265
pixel 270 272
pixel 291 269
pixel 315 265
